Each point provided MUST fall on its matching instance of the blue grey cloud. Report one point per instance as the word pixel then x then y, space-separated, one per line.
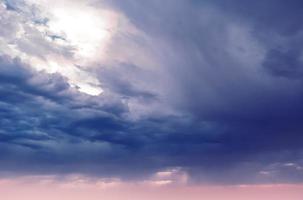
pixel 223 99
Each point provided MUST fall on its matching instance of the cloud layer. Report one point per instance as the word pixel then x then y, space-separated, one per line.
pixel 210 88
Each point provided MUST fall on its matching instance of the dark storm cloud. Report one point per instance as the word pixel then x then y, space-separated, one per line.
pixel 284 64
pixel 238 65
pixel 45 122
pixel 277 17
pixel 231 73
pixel 46 129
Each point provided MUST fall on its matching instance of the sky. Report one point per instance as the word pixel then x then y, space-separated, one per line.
pixel 151 99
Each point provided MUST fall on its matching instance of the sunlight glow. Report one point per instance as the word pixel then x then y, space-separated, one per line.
pixel 84 30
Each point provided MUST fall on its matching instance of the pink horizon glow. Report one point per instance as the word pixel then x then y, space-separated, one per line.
pixel 77 188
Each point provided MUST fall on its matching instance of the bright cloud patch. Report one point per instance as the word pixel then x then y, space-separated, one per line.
pixel 59 37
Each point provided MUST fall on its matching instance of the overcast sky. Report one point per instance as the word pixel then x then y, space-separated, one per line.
pixel 169 92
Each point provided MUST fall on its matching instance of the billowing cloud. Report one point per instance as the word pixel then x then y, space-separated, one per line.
pixel 174 91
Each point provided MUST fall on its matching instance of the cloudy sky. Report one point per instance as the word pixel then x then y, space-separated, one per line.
pixel 119 99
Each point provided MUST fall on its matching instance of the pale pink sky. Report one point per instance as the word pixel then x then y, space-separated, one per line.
pixel 77 188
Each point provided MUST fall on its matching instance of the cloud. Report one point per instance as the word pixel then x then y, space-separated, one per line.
pixel 207 90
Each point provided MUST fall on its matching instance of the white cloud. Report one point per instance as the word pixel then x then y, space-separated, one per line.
pixel 63 37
